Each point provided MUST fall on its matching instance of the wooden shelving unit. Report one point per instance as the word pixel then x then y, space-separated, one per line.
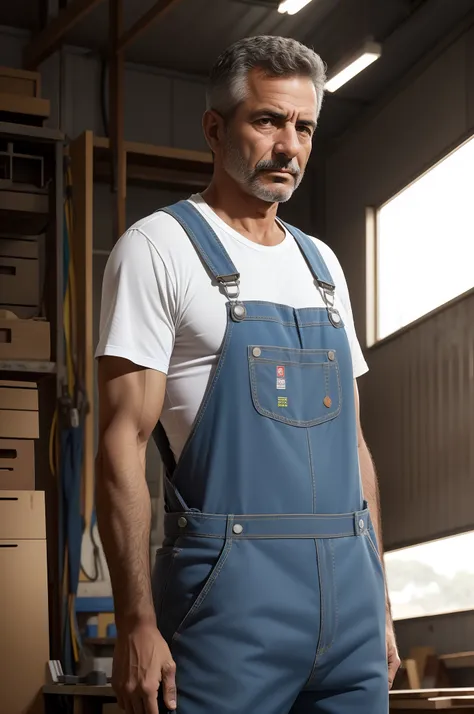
pixel 162 166
pixel 30 366
pixel 147 165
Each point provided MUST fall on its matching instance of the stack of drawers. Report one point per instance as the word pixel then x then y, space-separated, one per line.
pixel 24 630
pixel 19 426
pixel 20 276
pixel 21 338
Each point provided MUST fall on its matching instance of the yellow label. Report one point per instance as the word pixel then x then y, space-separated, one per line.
pixel 282 401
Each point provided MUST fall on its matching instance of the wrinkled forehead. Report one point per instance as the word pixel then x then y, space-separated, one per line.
pixel 293 95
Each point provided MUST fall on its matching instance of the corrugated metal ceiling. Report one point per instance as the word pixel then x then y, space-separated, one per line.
pixel 192 33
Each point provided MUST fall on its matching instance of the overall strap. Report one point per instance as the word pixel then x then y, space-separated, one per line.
pixel 319 270
pixel 221 268
pixel 205 241
pixel 312 256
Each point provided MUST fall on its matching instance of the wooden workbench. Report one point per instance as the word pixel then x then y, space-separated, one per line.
pixel 410 700
pixel 86 699
pixel 91 700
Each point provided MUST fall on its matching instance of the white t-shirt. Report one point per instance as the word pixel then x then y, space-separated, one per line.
pixel 160 309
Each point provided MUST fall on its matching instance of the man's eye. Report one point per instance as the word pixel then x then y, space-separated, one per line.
pixel 265 121
pixel 305 129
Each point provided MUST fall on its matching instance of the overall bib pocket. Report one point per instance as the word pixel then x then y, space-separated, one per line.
pixel 299 387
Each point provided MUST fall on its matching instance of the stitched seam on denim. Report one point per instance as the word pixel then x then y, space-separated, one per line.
pixel 285 420
pixel 326 380
pixel 318 644
pixel 221 560
pixel 261 318
pixel 311 466
pixel 334 598
pixel 321 595
pixel 207 397
pixel 273 360
pixel 373 546
pixel 299 350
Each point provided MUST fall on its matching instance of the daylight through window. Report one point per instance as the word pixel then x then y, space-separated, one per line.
pixel 425 243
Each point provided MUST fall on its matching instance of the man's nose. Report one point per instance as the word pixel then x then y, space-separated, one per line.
pixel 287 142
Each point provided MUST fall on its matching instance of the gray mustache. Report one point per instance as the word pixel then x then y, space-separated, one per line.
pixel 277 166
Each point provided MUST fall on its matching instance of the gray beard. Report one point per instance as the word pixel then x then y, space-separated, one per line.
pixel 250 179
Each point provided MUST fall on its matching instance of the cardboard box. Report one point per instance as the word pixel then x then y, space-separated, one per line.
pixel 24 212
pixel 22 396
pixel 19 410
pixel 19 104
pixel 22 515
pixel 20 81
pixel 19 248
pixel 18 424
pixel 19 281
pixel 24 339
pixel 24 312
pixel 17 464
pixel 24 625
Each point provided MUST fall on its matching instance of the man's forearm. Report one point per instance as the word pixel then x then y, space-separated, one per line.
pixel 371 494
pixel 123 517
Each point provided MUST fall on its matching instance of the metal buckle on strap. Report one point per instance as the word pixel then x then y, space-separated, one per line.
pixel 231 288
pixel 328 294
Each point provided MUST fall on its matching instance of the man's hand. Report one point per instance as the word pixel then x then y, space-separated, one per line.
pixel 392 653
pixel 143 662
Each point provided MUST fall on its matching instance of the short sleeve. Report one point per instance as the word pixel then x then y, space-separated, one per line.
pixel 138 306
pixel 359 365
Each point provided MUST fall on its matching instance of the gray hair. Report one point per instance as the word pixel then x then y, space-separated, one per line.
pixel 276 56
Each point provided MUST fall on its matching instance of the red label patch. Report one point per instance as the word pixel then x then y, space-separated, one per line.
pixel 281 372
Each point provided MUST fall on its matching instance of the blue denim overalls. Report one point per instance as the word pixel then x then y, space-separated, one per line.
pixel 269 588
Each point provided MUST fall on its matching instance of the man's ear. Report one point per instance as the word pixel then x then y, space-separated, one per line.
pixel 213 127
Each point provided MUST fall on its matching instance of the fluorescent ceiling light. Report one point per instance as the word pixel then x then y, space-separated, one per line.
pixel 368 54
pixel 292 6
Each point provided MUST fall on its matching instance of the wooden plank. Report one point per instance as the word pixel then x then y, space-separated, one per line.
pixel 20 104
pixel 167 178
pixel 118 156
pixel 156 10
pixel 431 693
pixel 48 40
pixel 159 152
pixel 80 690
pixel 20 81
pixel 458 660
pixel 430 705
pixel 82 157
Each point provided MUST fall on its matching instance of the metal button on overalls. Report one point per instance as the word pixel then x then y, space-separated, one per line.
pixel 271 622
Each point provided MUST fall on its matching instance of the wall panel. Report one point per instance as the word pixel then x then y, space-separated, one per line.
pixel 417 399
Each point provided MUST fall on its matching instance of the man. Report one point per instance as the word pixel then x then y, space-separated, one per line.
pixel 234 332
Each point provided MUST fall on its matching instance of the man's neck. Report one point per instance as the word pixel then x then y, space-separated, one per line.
pixel 253 218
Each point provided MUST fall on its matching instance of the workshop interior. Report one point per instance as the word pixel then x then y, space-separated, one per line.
pixel 101 104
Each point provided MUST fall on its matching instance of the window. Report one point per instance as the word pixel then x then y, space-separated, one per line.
pixel 424 244
pixel 433 578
